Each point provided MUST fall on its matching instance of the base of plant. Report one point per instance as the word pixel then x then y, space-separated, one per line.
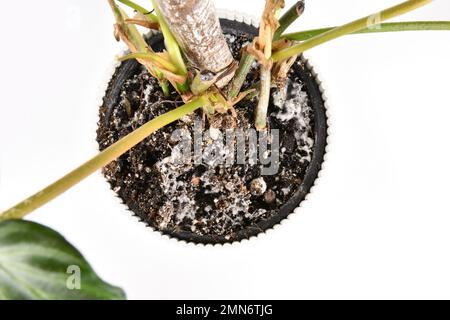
pixel 211 202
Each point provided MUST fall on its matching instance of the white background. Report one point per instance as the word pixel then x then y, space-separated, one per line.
pixel 376 225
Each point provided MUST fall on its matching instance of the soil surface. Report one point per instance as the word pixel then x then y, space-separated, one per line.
pixel 210 198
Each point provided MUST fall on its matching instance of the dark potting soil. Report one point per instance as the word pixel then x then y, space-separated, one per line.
pixel 212 199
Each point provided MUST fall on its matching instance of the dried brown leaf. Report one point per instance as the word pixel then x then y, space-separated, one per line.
pixel 240 97
pixel 281 44
pixel 269 23
pixel 261 48
pixel 143 23
pixel 281 71
pixel 258 54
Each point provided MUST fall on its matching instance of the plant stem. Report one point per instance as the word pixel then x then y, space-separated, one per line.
pixel 264 96
pixel 289 17
pixel 265 41
pixel 140 9
pixel 150 56
pixel 116 10
pixel 247 59
pixel 241 74
pixel 383 27
pixel 164 84
pixel 171 43
pixel 134 40
pixel 196 27
pixel 349 28
pixel 102 159
pixel 137 44
pixel 202 82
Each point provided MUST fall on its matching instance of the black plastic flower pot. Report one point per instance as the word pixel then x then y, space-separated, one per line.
pixel 133 177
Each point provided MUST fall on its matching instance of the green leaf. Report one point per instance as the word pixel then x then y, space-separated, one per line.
pixel 38 263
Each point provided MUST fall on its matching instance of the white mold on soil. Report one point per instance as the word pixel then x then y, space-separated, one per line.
pixel 293 107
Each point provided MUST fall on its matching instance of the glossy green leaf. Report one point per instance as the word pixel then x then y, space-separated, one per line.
pixel 38 263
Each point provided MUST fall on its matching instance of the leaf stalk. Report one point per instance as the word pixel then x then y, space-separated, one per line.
pixel 383 27
pixel 349 28
pixel 102 159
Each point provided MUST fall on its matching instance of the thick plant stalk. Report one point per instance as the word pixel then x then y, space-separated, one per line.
pixel 196 27
pixel 350 28
pixel 102 159
pixel 383 27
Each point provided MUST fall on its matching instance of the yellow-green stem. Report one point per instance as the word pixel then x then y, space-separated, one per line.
pixel 130 30
pixel 140 9
pixel 266 79
pixel 383 27
pixel 349 28
pixel 164 84
pixel 245 65
pixel 102 159
pixel 264 97
pixel 171 43
pixel 150 56
pixel 199 84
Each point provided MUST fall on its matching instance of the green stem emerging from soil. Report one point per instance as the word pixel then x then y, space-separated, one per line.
pixel 351 27
pixel 241 74
pixel 384 27
pixel 289 17
pixel 264 96
pixel 264 43
pixel 102 159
